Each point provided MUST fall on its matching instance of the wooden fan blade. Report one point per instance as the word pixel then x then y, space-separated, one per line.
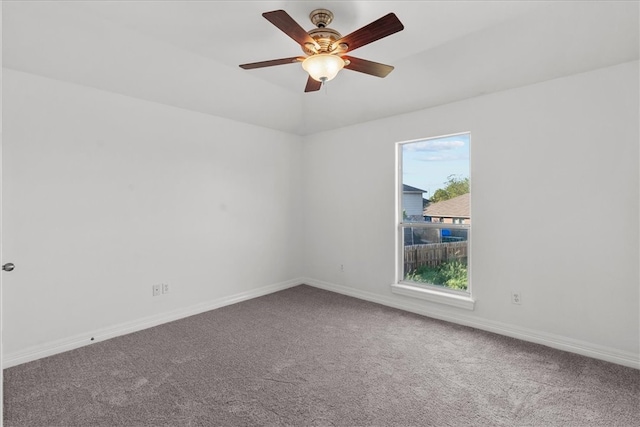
pixel 312 85
pixel 367 67
pixel 272 62
pixel 286 23
pixel 383 27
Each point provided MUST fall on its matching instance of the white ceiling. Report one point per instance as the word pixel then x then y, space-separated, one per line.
pixel 186 54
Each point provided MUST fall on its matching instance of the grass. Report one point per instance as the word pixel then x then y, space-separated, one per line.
pixel 451 274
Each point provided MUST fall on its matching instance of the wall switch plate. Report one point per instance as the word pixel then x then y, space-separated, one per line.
pixel 165 288
pixel 156 290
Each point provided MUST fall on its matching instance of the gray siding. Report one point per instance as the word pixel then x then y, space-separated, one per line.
pixel 412 204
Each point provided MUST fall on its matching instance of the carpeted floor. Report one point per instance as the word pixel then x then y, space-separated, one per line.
pixel 308 357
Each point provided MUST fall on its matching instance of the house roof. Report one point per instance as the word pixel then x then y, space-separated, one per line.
pixel 458 207
pixel 409 189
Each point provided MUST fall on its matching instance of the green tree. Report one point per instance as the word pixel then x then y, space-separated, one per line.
pixel 454 187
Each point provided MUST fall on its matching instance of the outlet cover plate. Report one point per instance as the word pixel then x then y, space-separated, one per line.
pixel 516 298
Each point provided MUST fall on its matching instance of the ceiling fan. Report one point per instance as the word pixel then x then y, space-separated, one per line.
pixel 326 48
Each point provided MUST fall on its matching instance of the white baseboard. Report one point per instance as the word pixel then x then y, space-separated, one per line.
pixel 550 340
pixel 81 340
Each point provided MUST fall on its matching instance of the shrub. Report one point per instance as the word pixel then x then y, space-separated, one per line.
pixel 451 274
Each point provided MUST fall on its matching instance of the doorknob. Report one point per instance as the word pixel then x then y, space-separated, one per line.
pixel 8 266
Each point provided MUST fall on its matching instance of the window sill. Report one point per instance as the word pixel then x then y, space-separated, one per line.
pixel 434 295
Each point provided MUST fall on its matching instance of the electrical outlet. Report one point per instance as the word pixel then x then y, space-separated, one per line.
pixel 516 298
pixel 165 288
pixel 157 290
pixel 341 268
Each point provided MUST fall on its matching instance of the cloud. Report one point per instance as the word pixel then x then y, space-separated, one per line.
pixel 442 157
pixel 434 145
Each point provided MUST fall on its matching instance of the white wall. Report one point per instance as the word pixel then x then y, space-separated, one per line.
pixel 554 176
pixel 106 195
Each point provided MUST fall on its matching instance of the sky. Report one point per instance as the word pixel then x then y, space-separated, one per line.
pixel 427 164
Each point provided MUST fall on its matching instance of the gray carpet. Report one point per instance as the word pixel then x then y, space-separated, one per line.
pixel 308 357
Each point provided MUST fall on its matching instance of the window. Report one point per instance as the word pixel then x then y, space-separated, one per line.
pixel 434 219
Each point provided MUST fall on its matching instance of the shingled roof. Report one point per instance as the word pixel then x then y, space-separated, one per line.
pixel 458 207
pixel 409 189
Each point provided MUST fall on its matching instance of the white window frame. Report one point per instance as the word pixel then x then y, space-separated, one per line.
pixel 433 293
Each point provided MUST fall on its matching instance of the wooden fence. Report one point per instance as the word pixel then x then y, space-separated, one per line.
pixel 433 254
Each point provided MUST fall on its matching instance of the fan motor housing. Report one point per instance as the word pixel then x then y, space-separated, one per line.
pixel 324 37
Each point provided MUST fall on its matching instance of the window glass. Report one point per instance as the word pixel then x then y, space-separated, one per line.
pixel 435 212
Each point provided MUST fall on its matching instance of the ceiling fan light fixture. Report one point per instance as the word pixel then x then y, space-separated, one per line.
pixel 324 46
pixel 323 67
